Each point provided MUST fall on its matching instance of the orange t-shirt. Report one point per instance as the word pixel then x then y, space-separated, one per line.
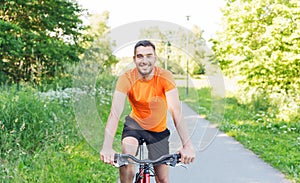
pixel 147 98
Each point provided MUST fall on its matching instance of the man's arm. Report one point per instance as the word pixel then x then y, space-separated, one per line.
pixel 187 152
pixel 107 152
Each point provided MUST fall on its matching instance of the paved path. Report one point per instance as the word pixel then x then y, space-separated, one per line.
pixel 220 159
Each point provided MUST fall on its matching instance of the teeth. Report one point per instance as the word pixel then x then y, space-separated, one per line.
pixel 143 65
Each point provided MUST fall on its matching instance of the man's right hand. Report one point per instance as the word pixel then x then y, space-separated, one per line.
pixel 107 155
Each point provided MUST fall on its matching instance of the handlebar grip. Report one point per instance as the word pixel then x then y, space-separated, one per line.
pixel 178 156
pixel 174 160
pixel 116 157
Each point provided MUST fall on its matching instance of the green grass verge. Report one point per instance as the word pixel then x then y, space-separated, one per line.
pixel 78 163
pixel 40 140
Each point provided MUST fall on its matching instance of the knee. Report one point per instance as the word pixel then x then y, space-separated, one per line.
pixel 131 172
pixel 129 145
pixel 162 175
pixel 162 179
pixel 127 173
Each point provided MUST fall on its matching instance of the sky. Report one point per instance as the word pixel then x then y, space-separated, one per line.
pixel 205 14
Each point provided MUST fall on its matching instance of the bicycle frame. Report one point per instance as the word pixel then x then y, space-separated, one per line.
pixel 143 174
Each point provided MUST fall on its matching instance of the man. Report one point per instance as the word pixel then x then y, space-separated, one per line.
pixel 151 92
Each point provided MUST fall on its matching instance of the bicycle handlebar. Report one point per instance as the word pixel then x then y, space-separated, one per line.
pixel 169 159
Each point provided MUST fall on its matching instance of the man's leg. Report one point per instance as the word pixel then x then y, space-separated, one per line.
pixel 158 149
pixel 162 173
pixel 129 146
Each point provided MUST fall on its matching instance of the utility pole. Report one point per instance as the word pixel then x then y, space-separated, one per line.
pixel 187 58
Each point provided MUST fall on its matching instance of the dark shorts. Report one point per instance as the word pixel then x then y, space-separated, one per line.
pixel 157 142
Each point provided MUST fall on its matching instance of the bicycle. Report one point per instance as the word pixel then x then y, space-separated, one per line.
pixel 145 170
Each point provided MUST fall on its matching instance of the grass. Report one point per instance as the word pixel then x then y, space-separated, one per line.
pixel 41 142
pixel 78 163
pixel 276 142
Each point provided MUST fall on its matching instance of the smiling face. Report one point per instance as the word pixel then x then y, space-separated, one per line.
pixel 144 60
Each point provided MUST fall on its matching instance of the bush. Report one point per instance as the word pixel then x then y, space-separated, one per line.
pixel 40 141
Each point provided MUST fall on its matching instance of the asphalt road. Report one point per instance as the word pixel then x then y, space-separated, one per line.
pixel 219 158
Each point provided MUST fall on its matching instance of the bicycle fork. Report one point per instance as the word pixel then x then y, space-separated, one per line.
pixel 143 176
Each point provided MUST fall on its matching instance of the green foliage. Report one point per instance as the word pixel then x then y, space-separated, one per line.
pixel 37 38
pixel 100 49
pixel 176 47
pixel 40 140
pixel 204 107
pixel 260 43
pixel 10 42
pixel 78 163
pixel 30 123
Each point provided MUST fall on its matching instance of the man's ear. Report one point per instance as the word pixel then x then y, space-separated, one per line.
pixel 156 58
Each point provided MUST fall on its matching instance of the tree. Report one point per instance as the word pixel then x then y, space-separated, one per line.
pixel 100 46
pixel 174 48
pixel 96 62
pixel 38 38
pixel 260 42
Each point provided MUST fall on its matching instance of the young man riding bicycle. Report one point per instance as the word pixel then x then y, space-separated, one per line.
pixel 152 93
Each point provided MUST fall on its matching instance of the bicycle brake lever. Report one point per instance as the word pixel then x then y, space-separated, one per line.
pixel 182 165
pixel 120 161
pixel 119 164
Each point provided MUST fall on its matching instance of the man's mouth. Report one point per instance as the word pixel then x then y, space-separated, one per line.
pixel 144 66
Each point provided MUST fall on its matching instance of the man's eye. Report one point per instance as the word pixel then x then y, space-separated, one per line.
pixel 140 56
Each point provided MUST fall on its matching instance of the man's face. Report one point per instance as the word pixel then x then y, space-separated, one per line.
pixel 144 60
